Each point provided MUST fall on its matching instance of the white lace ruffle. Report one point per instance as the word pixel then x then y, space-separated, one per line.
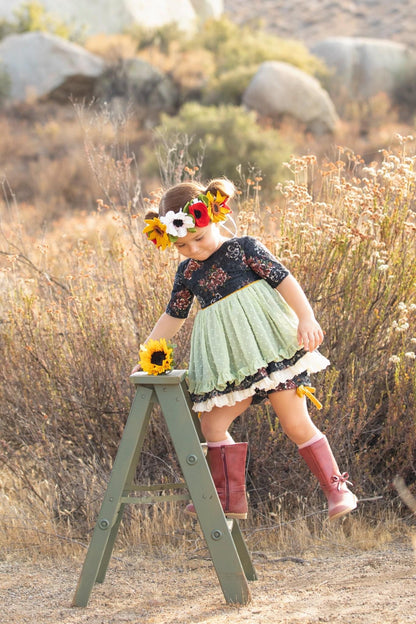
pixel 311 363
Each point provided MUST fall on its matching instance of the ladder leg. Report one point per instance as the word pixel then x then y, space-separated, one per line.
pixel 243 553
pixel 239 542
pixel 109 547
pixel 105 532
pixel 204 495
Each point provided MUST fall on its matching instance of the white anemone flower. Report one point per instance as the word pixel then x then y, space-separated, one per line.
pixel 177 223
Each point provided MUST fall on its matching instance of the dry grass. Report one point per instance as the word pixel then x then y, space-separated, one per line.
pixel 30 531
pixel 79 295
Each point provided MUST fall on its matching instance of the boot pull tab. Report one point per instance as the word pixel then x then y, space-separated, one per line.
pixel 308 391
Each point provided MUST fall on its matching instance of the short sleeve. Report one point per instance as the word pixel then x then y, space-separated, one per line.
pixel 181 298
pixel 263 262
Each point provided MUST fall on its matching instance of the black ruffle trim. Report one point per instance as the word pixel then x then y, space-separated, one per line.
pixel 259 395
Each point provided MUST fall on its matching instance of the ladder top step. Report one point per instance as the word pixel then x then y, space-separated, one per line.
pixel 171 378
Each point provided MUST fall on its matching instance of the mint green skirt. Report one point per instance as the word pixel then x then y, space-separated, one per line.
pixel 239 335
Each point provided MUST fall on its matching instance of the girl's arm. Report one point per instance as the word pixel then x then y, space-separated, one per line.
pixel 166 327
pixel 310 334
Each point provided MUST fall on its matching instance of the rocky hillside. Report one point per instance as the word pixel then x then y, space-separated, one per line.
pixel 312 20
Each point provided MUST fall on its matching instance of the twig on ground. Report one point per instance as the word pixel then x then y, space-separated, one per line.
pixel 279 559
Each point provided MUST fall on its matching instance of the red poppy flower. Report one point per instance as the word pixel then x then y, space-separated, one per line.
pixel 199 211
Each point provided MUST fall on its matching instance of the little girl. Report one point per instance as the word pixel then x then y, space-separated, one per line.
pixel 255 336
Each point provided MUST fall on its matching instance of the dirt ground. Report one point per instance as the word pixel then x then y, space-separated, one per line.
pixel 370 587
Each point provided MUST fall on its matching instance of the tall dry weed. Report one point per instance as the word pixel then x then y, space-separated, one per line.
pixel 347 231
pixel 78 300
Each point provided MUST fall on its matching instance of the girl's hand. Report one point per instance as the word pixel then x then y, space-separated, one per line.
pixel 136 369
pixel 310 334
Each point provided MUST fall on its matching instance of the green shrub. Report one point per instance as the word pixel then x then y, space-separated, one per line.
pixel 234 46
pixel 404 97
pixel 160 38
pixel 228 87
pixel 226 56
pixel 222 138
pixel 32 16
pixel 4 83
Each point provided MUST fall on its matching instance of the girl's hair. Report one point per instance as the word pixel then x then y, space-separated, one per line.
pixel 177 196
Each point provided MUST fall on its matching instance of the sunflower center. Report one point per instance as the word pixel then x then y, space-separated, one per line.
pixel 157 358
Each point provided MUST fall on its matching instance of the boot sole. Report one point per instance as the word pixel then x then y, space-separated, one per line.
pixel 232 516
pixel 344 511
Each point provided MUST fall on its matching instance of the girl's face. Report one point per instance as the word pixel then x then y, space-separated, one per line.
pixel 201 244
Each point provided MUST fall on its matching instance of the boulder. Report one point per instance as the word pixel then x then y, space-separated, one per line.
pixel 364 67
pixel 113 16
pixel 39 64
pixel 279 89
pixel 208 9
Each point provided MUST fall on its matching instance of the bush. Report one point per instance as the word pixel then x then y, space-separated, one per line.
pixel 78 299
pixel 161 38
pixel 228 87
pixel 69 342
pixel 5 84
pixel 112 48
pixel 221 138
pixel 217 63
pixel 32 16
pixel 352 248
pixel 404 98
pixel 236 46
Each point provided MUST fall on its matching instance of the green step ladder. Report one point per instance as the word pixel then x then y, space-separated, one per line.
pixel 225 542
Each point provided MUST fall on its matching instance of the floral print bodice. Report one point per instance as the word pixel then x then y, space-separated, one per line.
pixel 234 265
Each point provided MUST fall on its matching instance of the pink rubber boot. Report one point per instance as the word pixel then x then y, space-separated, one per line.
pixel 321 462
pixel 228 469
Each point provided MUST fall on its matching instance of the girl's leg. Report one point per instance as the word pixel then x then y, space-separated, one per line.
pixel 293 415
pixel 215 424
pixel 315 450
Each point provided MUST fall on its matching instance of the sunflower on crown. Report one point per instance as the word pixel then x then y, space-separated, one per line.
pixel 199 212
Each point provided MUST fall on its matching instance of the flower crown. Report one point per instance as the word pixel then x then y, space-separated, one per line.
pixel 199 212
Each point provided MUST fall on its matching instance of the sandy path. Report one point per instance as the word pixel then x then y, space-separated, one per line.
pixel 374 587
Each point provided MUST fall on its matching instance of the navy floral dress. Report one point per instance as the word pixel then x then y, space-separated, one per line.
pixel 237 263
pixel 237 267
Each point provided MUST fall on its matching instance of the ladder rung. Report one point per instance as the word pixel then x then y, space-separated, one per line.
pixel 153 499
pixel 180 485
